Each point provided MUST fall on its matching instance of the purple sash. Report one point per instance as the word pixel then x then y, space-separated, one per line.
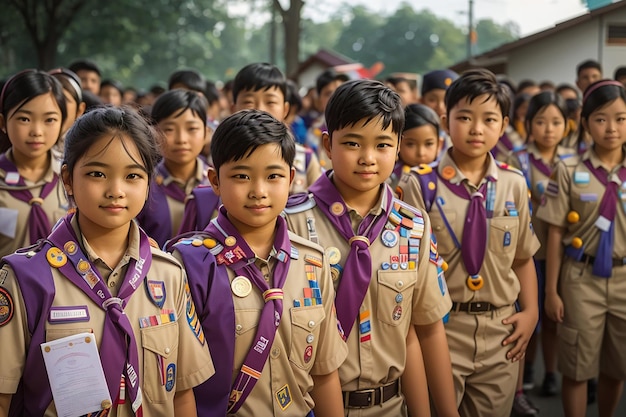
pixel 237 255
pixel 603 263
pixel 540 165
pixel 38 224
pixel 357 271
pixel 118 351
pixel 199 210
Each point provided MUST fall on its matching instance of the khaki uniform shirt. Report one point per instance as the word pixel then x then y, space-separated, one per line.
pixel 285 383
pixel 509 237
pixel 574 188
pixel 174 341
pixel 306 174
pixel 539 183
pixel 14 213
pixel 380 358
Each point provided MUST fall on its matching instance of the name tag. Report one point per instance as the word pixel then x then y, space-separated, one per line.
pixel 589 197
pixel 68 314
pixel 581 178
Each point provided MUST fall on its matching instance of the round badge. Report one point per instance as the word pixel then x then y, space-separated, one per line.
pixel 196 242
pixel 70 247
pixel 337 208
pixel 83 266
pixel 448 172
pixel 577 243
pixel 56 257
pixel 308 353
pixel 389 237
pixel 333 255
pixel 209 243
pixel 241 286
pixel 573 217
pixel 310 338
pixel 230 241
pixel 6 307
pixel 475 283
pixel 431 186
pixel 399 298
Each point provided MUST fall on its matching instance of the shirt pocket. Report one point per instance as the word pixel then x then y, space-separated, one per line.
pixel 59 333
pixel 246 323
pixel 503 234
pixel 160 353
pixel 445 242
pixel 305 333
pixel 395 295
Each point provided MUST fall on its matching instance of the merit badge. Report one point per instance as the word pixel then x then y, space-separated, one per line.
pixel 209 243
pixel 170 378
pixel 389 238
pixel 241 286
pixel 6 307
pixel 283 396
pixel 12 178
pixel 399 298
pixel 448 172
pixel 230 241
pixel 308 353
pixel 333 255
pixel 156 292
pixel 70 247
pixel 83 266
pixel 337 208
pixel 397 313
pixel 196 242
pixel 91 279
pixel 56 257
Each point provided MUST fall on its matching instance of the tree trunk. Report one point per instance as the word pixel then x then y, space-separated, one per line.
pixel 291 23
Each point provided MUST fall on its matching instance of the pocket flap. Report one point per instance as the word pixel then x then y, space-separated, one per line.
pixel 505 224
pixel 398 280
pixel 162 339
pixel 308 318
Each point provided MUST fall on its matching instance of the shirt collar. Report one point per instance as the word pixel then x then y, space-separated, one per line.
pixel 459 177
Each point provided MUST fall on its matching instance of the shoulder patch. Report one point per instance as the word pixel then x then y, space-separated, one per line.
pixel 153 243
pixel 507 167
pixel 300 202
pixel 6 306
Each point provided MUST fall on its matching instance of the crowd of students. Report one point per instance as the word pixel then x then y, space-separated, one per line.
pixel 367 249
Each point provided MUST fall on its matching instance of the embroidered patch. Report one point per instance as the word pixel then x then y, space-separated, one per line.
pixel 170 377
pixel 6 307
pixel 156 292
pixel 552 189
pixel 283 396
pixel 192 316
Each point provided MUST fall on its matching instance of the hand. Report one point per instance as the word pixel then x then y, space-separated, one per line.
pixel 524 324
pixel 554 308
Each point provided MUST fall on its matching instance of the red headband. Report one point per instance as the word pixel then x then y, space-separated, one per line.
pixel 599 84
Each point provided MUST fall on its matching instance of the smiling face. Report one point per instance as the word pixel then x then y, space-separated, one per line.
pixel 607 126
pixel 33 128
pixel 254 189
pixel 270 100
pixel 109 185
pixel 363 157
pixel 185 135
pixel 547 128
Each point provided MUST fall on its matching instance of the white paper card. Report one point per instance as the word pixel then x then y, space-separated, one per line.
pixel 75 374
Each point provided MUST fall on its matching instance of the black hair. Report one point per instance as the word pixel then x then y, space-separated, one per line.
pixel 24 86
pixel 366 100
pixel 475 83
pixel 113 83
pixel 113 122
pixel 91 101
pixel 417 115
pixel 518 101
pixel 190 78
pixel 525 84
pixel 619 72
pixel 590 63
pixel 176 102
pixel 564 86
pixel 157 90
pixel 399 80
pixel 259 76
pixel 293 97
pixel 547 85
pixel 240 134
pixel 542 100
pixel 70 82
pixel 211 93
pixel 598 95
pixel 85 64
pixel 328 77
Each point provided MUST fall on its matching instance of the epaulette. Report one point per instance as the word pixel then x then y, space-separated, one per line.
pixel 157 253
pixel 409 209
pixel 300 202
pixel 507 167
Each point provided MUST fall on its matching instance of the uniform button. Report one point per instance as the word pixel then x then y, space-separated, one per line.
pixel 438 228
pixel 275 352
pixel 400 284
pixel 111 284
pixel 311 323
pixel 310 338
pixel 239 327
pixel 167 350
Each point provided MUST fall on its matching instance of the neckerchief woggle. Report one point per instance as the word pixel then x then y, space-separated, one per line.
pixel 120 358
pixel 240 258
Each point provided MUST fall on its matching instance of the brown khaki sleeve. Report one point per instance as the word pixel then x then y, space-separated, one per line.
pixel 431 300
pixel 527 241
pixel 13 332
pixel 313 169
pixel 555 205
pixel 409 191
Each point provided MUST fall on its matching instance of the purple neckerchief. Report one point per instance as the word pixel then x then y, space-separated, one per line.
pixel 171 189
pixel 38 224
pixel 603 263
pixel 540 165
pixel 210 287
pixel 398 168
pixel 503 141
pixel 199 210
pixel 240 258
pixel 357 270
pixel 32 271
pixel 474 240
pixel 118 352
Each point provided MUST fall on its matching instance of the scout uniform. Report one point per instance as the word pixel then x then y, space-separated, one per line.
pixel 200 207
pixel 592 283
pixel 162 214
pixel 314 142
pixel 484 379
pixel 398 286
pixel 27 210
pixel 399 169
pixel 509 142
pixel 45 302
pixel 307 167
pixel 306 340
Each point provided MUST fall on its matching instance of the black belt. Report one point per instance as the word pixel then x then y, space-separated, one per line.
pixel 474 307
pixel 588 259
pixel 366 398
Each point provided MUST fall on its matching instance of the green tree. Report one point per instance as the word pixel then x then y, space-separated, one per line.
pixel 490 34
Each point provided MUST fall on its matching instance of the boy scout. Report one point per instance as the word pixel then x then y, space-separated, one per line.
pixel 384 263
pixel 280 348
pixel 480 214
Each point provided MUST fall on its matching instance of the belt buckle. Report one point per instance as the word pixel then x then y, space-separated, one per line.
pixel 475 308
pixel 372 398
